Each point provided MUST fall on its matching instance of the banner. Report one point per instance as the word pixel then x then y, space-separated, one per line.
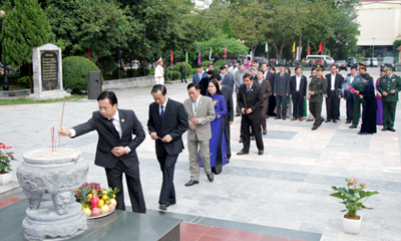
pixel 299 52
pixel 293 48
pixel 186 56
pixel 199 58
pixel 171 56
pixel 225 52
pixel 266 47
pixel 89 54
pixel 210 54
pixel 308 50
pixel 320 47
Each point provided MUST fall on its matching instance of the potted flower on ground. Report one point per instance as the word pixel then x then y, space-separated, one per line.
pixel 353 198
pixel 5 158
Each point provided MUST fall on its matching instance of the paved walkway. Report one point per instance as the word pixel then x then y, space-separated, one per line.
pixel 287 188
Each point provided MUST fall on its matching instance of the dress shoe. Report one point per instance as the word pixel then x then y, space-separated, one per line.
pixel 277 117
pixel 284 118
pixel 384 129
pixel 301 119
pixel 348 122
pixel 327 121
pixel 238 114
pixel 314 128
pixel 334 121
pixel 242 153
pixel 352 127
pixel 362 133
pixel 227 160
pixel 321 122
pixel 191 182
pixel 252 137
pixel 260 152
pixel 241 140
pixel 264 132
pixel 293 119
pixel 210 177
pixel 390 129
pixel 163 207
pixel 309 120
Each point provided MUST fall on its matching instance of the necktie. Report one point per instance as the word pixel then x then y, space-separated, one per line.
pixel 248 89
pixel 162 112
pixel 195 107
pixel 113 128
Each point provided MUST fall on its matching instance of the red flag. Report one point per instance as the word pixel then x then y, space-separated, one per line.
pixel 225 52
pixel 89 54
pixel 320 47
pixel 172 56
pixel 308 50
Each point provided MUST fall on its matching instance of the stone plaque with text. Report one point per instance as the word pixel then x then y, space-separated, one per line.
pixel 49 65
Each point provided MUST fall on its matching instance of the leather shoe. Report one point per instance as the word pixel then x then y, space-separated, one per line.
pixel 284 118
pixel 191 182
pixel 390 129
pixel 314 128
pixel 301 119
pixel 260 152
pixel 334 121
pixel 238 114
pixel 163 207
pixel 252 137
pixel 352 127
pixel 327 121
pixel 309 120
pixel 210 177
pixel 241 140
pixel 362 133
pixel 264 132
pixel 293 119
pixel 277 117
pixel 242 153
pixel 384 129
pixel 348 122
pixel 227 160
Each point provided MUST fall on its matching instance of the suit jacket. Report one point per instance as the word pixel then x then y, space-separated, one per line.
pixel 282 84
pixel 253 100
pixel 206 114
pixel 204 84
pixel 238 78
pixel 228 96
pixel 337 83
pixel 266 91
pixel 195 77
pixel 228 81
pixel 347 94
pixel 302 86
pixel 174 123
pixel 130 125
pixel 270 77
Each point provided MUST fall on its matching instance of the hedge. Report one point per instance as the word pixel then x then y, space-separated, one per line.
pixel 188 68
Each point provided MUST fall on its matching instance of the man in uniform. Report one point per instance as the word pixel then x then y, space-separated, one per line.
pixel 389 86
pixel 183 73
pixel 159 72
pixel 358 85
pixel 317 88
pixel 362 71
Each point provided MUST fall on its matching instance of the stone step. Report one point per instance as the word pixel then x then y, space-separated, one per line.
pixel 10 189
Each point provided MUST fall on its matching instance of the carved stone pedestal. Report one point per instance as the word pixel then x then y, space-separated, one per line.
pixel 58 174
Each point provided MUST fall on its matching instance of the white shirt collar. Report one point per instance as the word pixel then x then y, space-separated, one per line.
pixel 164 104
pixel 116 116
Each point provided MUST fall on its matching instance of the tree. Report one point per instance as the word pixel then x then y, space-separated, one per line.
pixel 228 30
pixel 234 47
pixel 25 27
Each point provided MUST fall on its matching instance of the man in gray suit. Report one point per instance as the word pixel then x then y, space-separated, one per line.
pixel 238 81
pixel 200 112
pixel 281 90
pixel 226 78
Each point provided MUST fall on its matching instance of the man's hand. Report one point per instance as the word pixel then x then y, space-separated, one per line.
pixel 230 123
pixel 384 93
pixel 167 139
pixel 326 95
pixel 286 94
pixel 345 99
pixel 191 126
pixel 304 97
pixel 64 132
pixel 378 93
pixel 339 96
pixel 275 94
pixel 312 93
pixel 392 91
pixel 243 111
pixel 153 135
pixel 361 96
pixel 308 98
pixel 118 151
pixel 248 111
pixel 357 92
pixel 195 121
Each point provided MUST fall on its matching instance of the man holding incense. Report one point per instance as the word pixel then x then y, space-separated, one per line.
pixel 116 149
pixel 389 86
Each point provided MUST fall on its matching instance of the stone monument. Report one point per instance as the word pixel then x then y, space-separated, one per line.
pixel 58 174
pixel 47 73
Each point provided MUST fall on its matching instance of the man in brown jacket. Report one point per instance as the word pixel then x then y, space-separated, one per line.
pixel 267 92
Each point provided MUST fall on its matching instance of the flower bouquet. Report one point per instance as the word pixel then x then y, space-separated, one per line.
pixel 95 201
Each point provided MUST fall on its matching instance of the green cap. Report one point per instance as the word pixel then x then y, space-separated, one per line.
pixel 389 66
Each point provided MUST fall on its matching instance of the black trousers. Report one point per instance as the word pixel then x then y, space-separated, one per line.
pixel 167 166
pixel 316 109
pixel 298 102
pixel 237 108
pixel 281 101
pixel 350 108
pixel 332 105
pixel 246 134
pixel 227 134
pixel 115 180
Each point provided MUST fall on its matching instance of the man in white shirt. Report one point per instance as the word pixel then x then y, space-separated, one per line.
pixel 159 79
pixel 333 94
pixel 348 96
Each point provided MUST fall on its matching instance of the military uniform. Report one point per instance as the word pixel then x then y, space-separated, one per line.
pixel 388 83
pixel 183 74
pixel 318 85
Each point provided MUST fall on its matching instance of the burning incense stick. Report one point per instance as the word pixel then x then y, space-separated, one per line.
pixel 61 124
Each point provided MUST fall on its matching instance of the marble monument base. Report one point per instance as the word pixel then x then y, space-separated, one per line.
pixel 46 223
pixel 49 95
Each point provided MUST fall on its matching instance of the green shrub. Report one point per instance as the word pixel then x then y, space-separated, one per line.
pixel 188 68
pixel 130 73
pixel 152 71
pixel 194 71
pixel 205 63
pixel 142 71
pixel 173 75
pixel 24 81
pixel 120 75
pixel 75 73
pixel 106 64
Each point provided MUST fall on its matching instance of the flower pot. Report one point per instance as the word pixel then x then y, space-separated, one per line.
pixel 5 178
pixel 351 225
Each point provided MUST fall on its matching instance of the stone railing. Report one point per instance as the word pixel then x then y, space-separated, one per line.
pixel 142 81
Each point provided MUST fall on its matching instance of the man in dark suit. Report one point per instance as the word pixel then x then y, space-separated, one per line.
pixel 196 78
pixel 298 93
pixel 250 100
pixel 167 122
pixel 204 83
pixel 267 92
pixel 229 117
pixel 333 94
pixel 281 90
pixel 226 78
pixel 116 150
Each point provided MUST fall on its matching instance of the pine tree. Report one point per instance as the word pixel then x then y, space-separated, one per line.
pixel 25 27
pixel 227 29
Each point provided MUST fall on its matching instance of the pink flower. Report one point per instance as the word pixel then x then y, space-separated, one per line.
pixel 10 155
pixel 3 146
pixel 8 147
pixel 353 180
pixel 363 185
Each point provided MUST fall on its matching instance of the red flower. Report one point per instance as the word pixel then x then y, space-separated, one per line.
pixel 10 155
pixel 8 147
pixel 3 146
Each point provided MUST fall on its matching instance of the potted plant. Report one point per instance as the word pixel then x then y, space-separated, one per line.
pixel 5 158
pixel 353 198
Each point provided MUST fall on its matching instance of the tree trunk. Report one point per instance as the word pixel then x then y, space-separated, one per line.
pixel 300 46
pixel 30 77
pixel 276 48
pixel 324 47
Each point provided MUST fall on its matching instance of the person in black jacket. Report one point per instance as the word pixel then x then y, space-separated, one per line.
pixel 298 93
pixel 333 94
pixel 167 123
pixel 204 83
pixel 116 150
pixel 250 100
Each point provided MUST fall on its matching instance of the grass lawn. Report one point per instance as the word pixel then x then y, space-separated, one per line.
pixel 24 101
